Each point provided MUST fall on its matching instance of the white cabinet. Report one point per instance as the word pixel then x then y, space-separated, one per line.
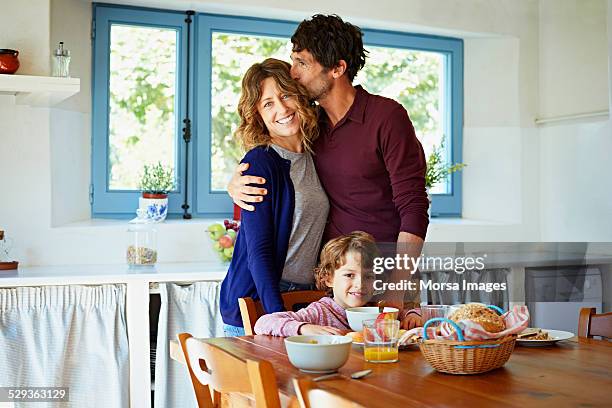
pixel 137 284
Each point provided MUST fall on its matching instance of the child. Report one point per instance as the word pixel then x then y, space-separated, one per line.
pixel 345 271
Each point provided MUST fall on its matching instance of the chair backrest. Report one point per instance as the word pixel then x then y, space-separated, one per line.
pixel 309 396
pixel 251 310
pixel 591 324
pixel 223 372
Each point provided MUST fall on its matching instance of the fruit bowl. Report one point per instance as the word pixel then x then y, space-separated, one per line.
pixel 224 237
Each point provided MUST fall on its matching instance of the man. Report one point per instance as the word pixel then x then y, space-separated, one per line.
pixel 367 156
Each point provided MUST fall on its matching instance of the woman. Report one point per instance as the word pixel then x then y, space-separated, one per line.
pixel 278 243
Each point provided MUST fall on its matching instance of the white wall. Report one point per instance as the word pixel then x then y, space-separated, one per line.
pixel 70 121
pixel 573 58
pixel 493 185
pixel 44 153
pixel 24 26
pixel 575 182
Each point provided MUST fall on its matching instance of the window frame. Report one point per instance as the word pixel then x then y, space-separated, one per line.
pixel 204 202
pixel 107 203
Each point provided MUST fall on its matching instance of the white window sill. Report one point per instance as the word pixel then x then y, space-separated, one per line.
pixel 113 223
pixel 452 221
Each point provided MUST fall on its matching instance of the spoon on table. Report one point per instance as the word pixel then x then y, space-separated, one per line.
pixel 360 374
pixel 355 376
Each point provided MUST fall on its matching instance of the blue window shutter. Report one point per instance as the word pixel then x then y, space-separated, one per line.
pixel 122 204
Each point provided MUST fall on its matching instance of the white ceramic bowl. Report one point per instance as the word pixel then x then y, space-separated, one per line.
pixel 356 315
pixel 318 354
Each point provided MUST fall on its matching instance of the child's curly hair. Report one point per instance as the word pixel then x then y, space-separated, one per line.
pixel 333 255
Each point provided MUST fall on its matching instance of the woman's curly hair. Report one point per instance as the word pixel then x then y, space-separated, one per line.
pixel 333 255
pixel 252 131
pixel 330 39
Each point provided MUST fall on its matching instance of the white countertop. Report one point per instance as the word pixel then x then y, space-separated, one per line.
pixel 531 255
pixel 117 273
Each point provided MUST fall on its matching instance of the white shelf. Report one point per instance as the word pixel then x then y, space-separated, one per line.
pixel 38 90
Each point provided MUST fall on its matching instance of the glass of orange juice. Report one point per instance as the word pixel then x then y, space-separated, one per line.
pixel 380 340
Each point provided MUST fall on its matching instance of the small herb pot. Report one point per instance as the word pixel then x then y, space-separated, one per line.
pixel 155 206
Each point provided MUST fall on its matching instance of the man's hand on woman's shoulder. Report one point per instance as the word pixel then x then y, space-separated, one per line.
pixel 241 193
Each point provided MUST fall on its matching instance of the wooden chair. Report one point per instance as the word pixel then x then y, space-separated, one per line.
pixel 251 310
pixel 309 396
pixel 223 372
pixel 591 324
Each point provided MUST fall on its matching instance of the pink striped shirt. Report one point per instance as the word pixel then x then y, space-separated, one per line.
pixel 324 312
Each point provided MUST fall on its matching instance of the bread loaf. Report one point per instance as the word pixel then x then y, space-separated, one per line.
pixel 487 318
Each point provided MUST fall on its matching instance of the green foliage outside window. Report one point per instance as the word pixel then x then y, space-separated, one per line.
pixel 142 97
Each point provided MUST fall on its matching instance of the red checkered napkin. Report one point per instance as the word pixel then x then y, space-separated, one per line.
pixel 516 321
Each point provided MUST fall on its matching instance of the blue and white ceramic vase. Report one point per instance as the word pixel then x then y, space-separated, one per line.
pixel 155 206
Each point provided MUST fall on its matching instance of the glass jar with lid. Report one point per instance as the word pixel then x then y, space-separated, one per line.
pixel 142 243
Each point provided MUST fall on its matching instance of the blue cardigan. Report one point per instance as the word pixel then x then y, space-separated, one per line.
pixel 261 245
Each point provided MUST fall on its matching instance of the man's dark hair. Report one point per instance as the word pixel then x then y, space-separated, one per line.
pixel 329 40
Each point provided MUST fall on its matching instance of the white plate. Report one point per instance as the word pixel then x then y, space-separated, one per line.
pixel 554 335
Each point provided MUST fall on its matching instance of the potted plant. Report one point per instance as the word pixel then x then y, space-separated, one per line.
pixel 155 183
pixel 437 169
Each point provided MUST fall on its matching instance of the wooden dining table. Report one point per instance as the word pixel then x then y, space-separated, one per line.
pixel 568 374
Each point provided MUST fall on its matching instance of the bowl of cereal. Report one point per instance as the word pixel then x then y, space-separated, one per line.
pixel 318 354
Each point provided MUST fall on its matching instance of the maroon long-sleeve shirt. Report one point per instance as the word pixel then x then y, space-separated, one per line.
pixel 372 167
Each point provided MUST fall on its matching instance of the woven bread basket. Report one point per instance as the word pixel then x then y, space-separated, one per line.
pixel 465 357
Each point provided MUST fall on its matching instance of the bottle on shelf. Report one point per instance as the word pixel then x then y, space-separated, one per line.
pixel 61 61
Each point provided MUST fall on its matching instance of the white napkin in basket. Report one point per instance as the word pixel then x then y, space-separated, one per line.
pixel 516 321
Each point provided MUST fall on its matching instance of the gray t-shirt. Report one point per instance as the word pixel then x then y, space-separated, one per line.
pixel 309 217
